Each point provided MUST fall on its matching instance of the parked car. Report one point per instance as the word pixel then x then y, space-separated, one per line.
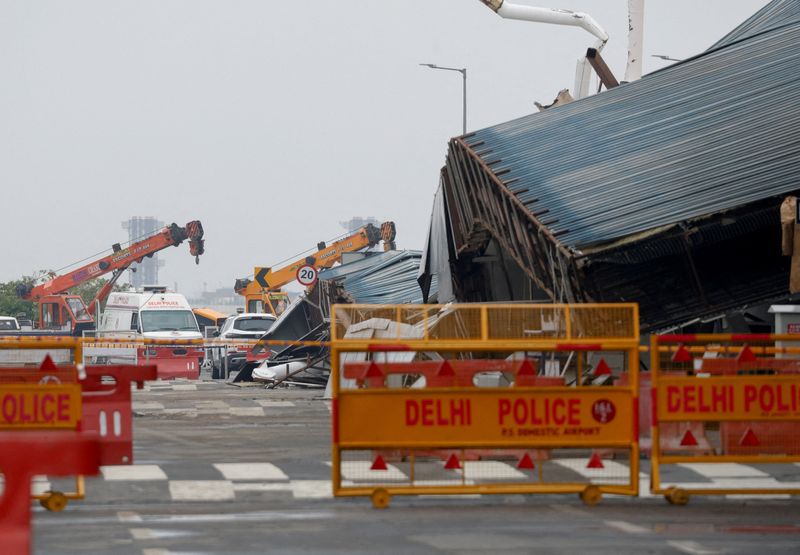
pixel 242 326
pixel 9 323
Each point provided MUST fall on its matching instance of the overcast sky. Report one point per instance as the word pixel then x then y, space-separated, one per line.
pixel 269 121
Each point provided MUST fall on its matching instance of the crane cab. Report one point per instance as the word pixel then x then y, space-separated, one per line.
pixel 66 313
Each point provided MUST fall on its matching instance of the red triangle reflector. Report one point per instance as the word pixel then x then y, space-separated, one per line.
pixel 373 371
pixel 47 363
pixel 749 439
pixel 746 355
pixel 688 439
pixel 595 461
pixel 526 369
pixel 445 370
pixel 452 463
pixel 602 368
pixel 378 464
pixel 526 462
pixel 682 354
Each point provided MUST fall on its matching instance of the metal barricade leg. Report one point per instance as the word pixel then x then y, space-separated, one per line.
pixel 25 454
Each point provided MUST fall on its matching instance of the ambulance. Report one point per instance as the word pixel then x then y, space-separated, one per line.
pixel 151 313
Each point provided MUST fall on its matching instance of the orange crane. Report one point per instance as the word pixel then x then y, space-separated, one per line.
pixel 59 311
pixel 263 294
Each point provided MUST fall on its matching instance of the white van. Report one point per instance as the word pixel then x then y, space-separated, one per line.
pixel 151 314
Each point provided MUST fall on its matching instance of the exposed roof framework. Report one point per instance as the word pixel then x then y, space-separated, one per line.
pixel 650 191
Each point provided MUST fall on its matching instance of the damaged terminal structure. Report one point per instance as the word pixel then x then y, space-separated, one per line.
pixel 664 191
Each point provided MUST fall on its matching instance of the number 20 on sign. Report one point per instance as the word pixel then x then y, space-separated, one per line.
pixel 307 275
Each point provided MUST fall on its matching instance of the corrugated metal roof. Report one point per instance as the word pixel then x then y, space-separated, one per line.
pixel 381 278
pixel 714 132
pixel 771 16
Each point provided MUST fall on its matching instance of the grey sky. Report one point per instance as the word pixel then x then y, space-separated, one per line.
pixel 269 121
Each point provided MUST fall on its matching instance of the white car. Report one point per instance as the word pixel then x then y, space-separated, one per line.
pixel 247 325
pixel 9 323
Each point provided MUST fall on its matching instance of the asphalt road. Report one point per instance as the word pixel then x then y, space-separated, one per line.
pixel 221 469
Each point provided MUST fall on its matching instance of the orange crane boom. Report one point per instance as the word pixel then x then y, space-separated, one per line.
pixel 268 280
pixel 70 309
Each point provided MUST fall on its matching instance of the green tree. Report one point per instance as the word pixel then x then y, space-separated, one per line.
pixel 11 304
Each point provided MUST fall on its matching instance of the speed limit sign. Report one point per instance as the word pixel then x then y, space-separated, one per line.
pixel 307 275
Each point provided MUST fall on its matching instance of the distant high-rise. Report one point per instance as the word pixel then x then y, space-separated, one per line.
pixel 138 228
pixel 359 221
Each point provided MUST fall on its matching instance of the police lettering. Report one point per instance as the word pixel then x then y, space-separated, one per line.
pixel 728 398
pixel 691 398
pixel 772 397
pixel 436 412
pixel 39 408
pixel 540 412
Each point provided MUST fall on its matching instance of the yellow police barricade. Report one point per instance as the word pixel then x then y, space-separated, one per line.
pixel 30 350
pixel 485 399
pixel 724 402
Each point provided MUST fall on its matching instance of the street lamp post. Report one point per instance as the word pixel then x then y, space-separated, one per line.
pixel 664 57
pixel 463 72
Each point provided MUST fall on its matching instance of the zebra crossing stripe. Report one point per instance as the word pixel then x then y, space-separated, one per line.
pixel 251 471
pixel 201 490
pixel 724 470
pixel 134 472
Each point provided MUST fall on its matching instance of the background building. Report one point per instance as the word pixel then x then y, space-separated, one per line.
pixel 139 227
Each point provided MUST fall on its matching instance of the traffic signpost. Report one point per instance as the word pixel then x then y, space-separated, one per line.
pixel 307 275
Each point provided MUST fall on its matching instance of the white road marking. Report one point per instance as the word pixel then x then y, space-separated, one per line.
pixel 147 405
pixel 745 496
pixel 644 485
pixel 692 548
pixel 129 516
pixel 154 534
pixel 247 411
pixel 201 490
pixel 214 411
pixel 612 471
pixel 155 551
pixel 360 470
pixel 133 472
pixel 275 404
pixel 737 476
pixel 184 387
pixel 627 527
pixel 190 413
pixel 455 481
pixel 751 483
pixel 39 485
pixel 159 386
pixel 141 533
pixel 262 486
pixel 250 471
pixel 487 470
pixel 211 405
pixel 724 470
pixel 312 489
